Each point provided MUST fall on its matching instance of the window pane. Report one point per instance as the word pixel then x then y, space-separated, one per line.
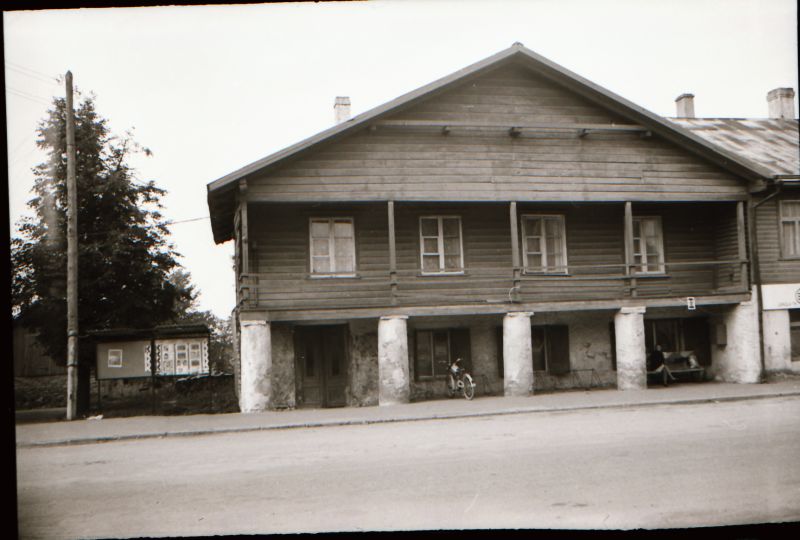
pixel 452 246
pixel 423 365
pixel 320 264
pixel 343 229
pixel 441 353
pixel 532 244
pixel 430 263
pixel 452 262
pixel 450 227
pixel 319 229
pixel 534 227
pixel 790 239
pixel 429 226
pixel 320 247
pixel 344 254
pixel 430 245
pixel 534 261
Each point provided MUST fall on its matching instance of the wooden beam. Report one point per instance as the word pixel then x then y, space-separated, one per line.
pixel 539 126
pixel 392 253
pixel 515 259
pixel 742 243
pixel 629 245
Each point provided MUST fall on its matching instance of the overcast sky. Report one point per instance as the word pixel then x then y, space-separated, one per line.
pixel 210 89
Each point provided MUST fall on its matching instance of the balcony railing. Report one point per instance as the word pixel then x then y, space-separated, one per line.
pixel 489 285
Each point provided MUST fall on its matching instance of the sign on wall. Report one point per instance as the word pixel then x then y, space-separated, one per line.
pixel 781 296
pixel 184 356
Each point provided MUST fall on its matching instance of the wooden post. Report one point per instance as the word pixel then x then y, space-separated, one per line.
pixel 245 247
pixel 515 259
pixel 392 254
pixel 740 234
pixel 629 246
pixel 72 259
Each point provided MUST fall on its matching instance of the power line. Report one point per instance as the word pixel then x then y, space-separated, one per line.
pixel 29 97
pixel 40 78
pixel 19 67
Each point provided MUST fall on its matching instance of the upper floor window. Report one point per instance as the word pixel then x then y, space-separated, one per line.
pixel 648 245
pixel 544 244
pixel 790 228
pixel 333 247
pixel 441 249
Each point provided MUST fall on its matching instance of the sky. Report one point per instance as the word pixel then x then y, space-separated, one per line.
pixel 210 89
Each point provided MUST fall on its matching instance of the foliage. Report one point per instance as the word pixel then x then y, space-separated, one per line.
pixel 125 261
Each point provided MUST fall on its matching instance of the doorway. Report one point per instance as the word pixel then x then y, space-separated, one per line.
pixel 321 365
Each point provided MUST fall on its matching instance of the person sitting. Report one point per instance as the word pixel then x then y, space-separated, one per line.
pixel 655 361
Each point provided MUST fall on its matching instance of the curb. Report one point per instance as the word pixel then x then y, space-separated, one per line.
pixel 368 421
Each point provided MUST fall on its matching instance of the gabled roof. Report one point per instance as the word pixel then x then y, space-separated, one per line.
pixel 772 143
pixel 221 191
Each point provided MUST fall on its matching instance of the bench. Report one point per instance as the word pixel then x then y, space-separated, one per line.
pixel 682 364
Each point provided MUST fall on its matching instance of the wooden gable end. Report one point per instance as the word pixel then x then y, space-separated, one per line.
pixel 407 156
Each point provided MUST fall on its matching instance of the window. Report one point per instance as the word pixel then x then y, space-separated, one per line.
pixel 115 358
pixel 544 244
pixel 440 245
pixel 437 349
pixel 790 229
pixel 648 245
pixel 333 250
pixel 194 358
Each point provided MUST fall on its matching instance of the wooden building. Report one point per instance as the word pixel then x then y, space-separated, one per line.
pixel 774 143
pixel 513 214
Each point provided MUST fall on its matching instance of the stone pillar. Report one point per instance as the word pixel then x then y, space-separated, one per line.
pixel 517 354
pixel 256 366
pixel 777 340
pixel 631 353
pixel 393 379
pixel 739 359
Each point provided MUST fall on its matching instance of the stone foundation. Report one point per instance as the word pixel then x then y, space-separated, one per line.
pixel 256 366
pixel 517 355
pixel 631 353
pixel 362 388
pixel 283 367
pixel 739 359
pixel 393 361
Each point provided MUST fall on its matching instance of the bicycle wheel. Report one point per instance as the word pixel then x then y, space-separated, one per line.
pixel 469 387
pixel 451 385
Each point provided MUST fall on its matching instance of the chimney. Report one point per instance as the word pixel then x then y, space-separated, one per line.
pixel 341 109
pixel 685 105
pixel 781 103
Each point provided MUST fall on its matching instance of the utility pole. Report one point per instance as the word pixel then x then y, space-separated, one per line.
pixel 72 260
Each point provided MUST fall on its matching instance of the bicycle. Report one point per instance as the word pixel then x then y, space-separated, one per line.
pixel 458 380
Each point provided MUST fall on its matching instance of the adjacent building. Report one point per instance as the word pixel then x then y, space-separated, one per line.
pixel 512 214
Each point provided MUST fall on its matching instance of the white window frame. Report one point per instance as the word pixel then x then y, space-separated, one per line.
pixel 660 264
pixel 796 220
pixel 440 247
pixel 543 244
pixel 331 248
pixel 115 365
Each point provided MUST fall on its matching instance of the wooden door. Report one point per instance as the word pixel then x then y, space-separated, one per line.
pixel 322 365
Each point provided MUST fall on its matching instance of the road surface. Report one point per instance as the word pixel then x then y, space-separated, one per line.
pixel 660 466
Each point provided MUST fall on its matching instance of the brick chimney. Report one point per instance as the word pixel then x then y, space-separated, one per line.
pixel 781 103
pixel 685 106
pixel 341 109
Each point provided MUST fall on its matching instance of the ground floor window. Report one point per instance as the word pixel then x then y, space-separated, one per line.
pixel 437 349
pixel 794 327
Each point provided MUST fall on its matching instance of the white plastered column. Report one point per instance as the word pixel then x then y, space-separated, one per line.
pixel 630 348
pixel 517 354
pixel 256 366
pixel 739 359
pixel 393 378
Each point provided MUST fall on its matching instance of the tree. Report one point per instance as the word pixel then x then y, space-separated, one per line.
pixel 125 260
pixel 220 347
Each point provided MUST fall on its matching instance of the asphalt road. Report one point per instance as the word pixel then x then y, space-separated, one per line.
pixel 654 467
